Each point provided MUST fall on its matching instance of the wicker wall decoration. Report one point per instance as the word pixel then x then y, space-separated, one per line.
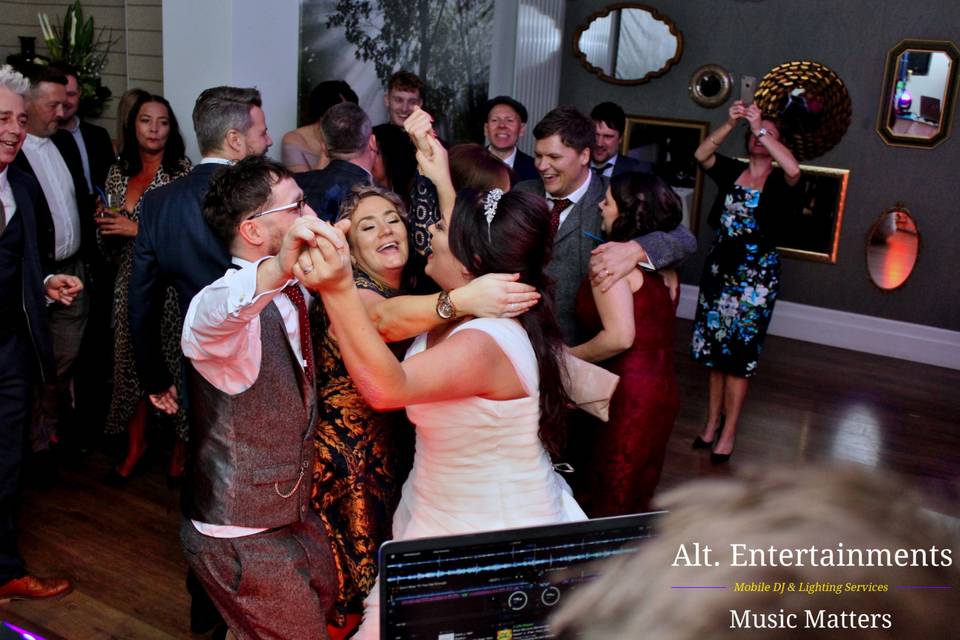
pixel 811 103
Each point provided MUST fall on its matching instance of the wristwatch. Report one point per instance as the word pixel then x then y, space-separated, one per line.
pixel 445 308
pixel 761 133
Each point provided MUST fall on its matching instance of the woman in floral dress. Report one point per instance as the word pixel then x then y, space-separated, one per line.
pixel 741 277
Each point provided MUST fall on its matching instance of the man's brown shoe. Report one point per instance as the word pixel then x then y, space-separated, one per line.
pixel 34 588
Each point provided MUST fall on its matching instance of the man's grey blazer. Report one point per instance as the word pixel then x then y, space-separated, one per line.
pixel 569 266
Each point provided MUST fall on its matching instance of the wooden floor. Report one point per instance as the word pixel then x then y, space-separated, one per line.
pixel 808 404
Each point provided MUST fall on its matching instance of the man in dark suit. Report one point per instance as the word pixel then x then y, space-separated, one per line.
pixel 93 157
pixel 505 122
pixel 93 142
pixel 610 122
pixel 175 246
pixel 352 148
pixel 25 348
pixel 66 236
pixel 564 139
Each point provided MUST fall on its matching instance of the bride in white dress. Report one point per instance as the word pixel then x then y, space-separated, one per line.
pixel 486 395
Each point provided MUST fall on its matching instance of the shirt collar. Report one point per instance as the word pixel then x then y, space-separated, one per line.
pixel 611 161
pixel 74 128
pixel 578 193
pixel 215 160
pixel 35 142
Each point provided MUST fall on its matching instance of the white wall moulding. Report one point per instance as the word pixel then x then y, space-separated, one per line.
pixel 879 336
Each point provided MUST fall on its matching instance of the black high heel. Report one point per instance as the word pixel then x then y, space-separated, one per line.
pixel 700 443
pixel 720 458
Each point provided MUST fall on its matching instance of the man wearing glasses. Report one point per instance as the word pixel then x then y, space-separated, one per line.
pixel 253 405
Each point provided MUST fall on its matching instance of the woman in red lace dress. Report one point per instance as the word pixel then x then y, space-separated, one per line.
pixel 633 324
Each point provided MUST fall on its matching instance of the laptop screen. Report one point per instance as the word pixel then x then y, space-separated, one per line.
pixel 499 585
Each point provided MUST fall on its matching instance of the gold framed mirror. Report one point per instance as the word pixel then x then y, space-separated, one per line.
pixel 710 86
pixel 628 43
pixel 665 146
pixel 892 248
pixel 919 93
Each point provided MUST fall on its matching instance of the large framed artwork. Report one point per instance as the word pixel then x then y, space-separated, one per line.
pixel 814 228
pixel 446 43
pixel 665 146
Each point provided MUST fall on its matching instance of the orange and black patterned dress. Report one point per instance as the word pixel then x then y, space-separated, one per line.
pixel 362 458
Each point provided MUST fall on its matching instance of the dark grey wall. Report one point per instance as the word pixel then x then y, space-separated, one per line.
pixel 852 37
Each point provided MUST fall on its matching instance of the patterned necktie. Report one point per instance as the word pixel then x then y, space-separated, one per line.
pixel 558 206
pixel 600 170
pixel 295 295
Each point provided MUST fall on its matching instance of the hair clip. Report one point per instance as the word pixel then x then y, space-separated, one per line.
pixel 490 202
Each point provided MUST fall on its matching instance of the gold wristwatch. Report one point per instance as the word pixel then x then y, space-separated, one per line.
pixel 445 308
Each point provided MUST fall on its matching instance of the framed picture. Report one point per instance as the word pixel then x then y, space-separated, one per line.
pixel 665 146
pixel 815 226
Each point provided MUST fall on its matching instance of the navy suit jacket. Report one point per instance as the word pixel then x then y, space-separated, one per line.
pixel 524 168
pixel 174 246
pixel 326 188
pixel 30 205
pixel 100 153
pixel 626 163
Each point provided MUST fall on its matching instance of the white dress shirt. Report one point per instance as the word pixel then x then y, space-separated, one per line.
pixel 574 198
pixel 509 160
pixel 6 196
pixel 610 164
pixel 221 331
pixel 57 185
pixel 221 336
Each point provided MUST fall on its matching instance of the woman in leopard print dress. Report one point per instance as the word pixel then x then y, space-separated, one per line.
pixel 152 157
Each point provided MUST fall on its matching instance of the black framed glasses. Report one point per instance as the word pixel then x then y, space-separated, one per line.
pixel 298 206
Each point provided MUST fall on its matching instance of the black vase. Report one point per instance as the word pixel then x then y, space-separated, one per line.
pixel 27 60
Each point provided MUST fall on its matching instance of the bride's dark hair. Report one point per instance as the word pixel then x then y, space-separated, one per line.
pixel 519 240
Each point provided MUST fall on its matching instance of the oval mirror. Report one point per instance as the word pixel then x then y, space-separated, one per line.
pixel 628 43
pixel 893 245
pixel 710 85
pixel 919 88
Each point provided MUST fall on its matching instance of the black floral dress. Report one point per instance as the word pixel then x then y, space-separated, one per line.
pixel 126 384
pixel 740 283
pixel 362 458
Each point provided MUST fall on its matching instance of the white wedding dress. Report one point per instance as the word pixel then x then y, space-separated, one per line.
pixel 479 464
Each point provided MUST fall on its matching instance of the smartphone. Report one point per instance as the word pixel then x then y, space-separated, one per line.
pixel 748 84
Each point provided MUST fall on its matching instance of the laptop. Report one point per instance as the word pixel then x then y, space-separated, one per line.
pixel 498 585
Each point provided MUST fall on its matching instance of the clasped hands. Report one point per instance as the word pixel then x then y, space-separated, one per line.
pixel 752 114
pixel 316 253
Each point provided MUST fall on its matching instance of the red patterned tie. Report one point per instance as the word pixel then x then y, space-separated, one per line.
pixel 293 292
pixel 558 207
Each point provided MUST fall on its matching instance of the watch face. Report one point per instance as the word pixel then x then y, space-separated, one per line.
pixel 445 309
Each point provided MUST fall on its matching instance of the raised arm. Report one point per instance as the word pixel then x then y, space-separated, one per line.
pixel 619 328
pixel 780 153
pixel 705 153
pixel 466 364
pixel 431 158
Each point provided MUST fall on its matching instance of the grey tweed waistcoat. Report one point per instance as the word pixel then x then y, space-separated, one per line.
pixel 253 451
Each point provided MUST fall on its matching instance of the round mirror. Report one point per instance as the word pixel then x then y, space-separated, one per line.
pixel 893 245
pixel 920 84
pixel 710 85
pixel 628 44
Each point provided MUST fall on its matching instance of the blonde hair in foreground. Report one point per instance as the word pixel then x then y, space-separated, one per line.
pixel 786 509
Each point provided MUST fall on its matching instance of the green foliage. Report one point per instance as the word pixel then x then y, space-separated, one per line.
pixel 77 42
pixel 445 42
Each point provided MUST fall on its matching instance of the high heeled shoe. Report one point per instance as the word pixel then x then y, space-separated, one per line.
pixel 720 458
pixel 700 443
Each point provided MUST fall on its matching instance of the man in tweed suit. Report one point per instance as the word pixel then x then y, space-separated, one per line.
pixel 564 138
